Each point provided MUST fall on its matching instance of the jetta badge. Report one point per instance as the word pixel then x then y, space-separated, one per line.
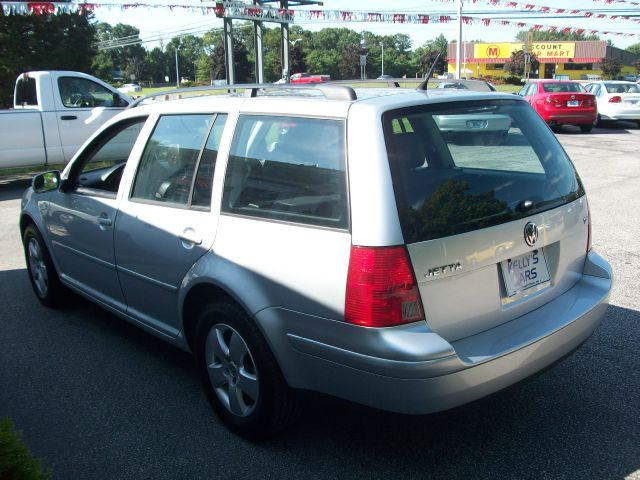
pixel 531 233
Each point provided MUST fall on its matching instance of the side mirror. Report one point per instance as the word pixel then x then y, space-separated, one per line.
pixel 46 182
pixel 118 101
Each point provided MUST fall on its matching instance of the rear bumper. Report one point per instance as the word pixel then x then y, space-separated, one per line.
pixel 411 369
pixel 571 119
pixel 620 115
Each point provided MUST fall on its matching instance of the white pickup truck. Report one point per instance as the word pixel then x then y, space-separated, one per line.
pixel 54 112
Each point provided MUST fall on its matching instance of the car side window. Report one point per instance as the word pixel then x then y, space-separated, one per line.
pixel 78 92
pixel 104 160
pixel 288 168
pixel 170 160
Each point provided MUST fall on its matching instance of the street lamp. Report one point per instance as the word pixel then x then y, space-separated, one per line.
pixel 382 45
pixel 177 71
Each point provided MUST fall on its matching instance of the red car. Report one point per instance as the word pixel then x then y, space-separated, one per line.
pixel 308 78
pixel 562 102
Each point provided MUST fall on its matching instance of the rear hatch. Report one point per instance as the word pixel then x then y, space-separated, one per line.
pixel 572 101
pixel 492 211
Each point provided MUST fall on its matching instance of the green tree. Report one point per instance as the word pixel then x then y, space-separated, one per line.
pixel 298 59
pixel 326 51
pixel 156 65
pixel 517 62
pixel 423 57
pixel 539 36
pixel 397 55
pixel 128 59
pixel 610 67
pixel 216 60
pixel 190 48
pixel 43 42
pixel 635 48
pixel 350 62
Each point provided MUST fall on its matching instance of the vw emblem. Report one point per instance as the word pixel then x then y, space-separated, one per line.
pixel 531 233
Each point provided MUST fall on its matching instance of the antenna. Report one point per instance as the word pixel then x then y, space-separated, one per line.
pixel 423 85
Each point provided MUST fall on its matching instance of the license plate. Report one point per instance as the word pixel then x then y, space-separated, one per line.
pixel 523 272
pixel 573 103
pixel 476 124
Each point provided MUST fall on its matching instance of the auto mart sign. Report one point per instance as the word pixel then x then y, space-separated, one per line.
pixel 545 51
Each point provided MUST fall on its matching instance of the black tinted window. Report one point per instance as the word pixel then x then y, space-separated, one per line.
pixel 472 166
pixel 26 92
pixel 288 168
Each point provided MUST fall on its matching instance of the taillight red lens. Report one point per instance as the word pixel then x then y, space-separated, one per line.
pixel 381 288
pixel 615 99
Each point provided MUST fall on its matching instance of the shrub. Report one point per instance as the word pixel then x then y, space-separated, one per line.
pixel 513 80
pixel 16 462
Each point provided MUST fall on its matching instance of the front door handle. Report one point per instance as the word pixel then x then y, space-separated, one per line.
pixel 104 220
pixel 68 117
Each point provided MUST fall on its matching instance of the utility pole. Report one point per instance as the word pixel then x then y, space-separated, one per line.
pixel 459 44
pixel 177 71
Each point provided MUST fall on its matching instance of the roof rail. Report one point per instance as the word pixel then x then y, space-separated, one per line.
pixel 330 92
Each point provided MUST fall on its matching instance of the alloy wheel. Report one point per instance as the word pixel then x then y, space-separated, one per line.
pixel 232 370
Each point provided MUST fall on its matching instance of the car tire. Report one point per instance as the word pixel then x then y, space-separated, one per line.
pixel 586 128
pixel 42 273
pixel 240 375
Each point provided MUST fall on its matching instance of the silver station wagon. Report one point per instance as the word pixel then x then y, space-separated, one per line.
pixel 384 246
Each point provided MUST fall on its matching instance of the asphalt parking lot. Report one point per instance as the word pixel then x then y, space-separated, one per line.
pixel 97 398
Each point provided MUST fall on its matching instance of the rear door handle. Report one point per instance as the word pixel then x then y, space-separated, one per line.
pixel 190 238
pixel 68 117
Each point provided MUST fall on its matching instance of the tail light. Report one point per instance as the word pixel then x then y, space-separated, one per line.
pixel 381 288
pixel 615 99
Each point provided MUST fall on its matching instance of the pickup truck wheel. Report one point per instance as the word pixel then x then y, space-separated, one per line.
pixel 240 375
pixel 42 273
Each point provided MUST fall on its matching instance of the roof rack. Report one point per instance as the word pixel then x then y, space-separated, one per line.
pixel 330 91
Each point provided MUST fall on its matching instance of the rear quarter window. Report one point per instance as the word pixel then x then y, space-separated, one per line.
pixel 473 165
pixel 288 168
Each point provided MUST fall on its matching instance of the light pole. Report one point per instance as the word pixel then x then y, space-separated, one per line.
pixel 382 45
pixel 177 71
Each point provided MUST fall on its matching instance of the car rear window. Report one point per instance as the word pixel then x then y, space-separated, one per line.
pixel 472 165
pixel 622 88
pixel 562 87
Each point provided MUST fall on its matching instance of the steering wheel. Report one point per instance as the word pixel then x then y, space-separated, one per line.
pixel 80 100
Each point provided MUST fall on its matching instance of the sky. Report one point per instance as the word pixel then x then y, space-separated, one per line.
pixel 155 23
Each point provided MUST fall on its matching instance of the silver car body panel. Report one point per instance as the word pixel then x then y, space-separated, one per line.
pixel 291 278
pixel 410 369
pixel 472 298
